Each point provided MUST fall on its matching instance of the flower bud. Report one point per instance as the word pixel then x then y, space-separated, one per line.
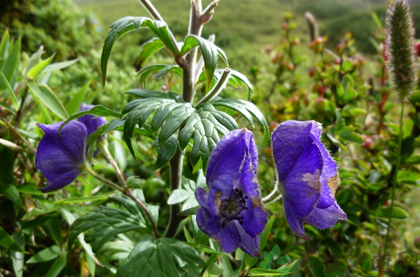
pixel 400 51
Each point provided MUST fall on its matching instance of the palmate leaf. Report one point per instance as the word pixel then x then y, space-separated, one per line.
pixel 161 257
pixel 203 125
pixel 130 23
pixel 104 222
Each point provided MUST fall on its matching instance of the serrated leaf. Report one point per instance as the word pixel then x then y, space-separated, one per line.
pixel 147 50
pixel 45 255
pixel 208 51
pixel 127 24
pixel 175 119
pixel 162 257
pixel 103 223
pixel 49 99
pixel 166 152
pixel 38 68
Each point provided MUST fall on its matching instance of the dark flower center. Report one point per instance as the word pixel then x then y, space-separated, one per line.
pixel 232 207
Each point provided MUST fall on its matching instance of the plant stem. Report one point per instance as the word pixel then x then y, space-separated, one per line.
pixel 175 177
pixel 120 174
pixel 106 181
pixel 145 210
pixel 394 183
pixel 221 83
pixel 271 194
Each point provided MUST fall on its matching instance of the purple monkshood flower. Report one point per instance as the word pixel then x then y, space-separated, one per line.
pixel 308 176
pixel 231 211
pixel 61 158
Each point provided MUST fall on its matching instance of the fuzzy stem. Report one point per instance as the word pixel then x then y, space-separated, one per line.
pixel 106 181
pixel 221 83
pixel 394 183
pixel 272 193
pixel 111 160
pixel 280 196
pixel 145 210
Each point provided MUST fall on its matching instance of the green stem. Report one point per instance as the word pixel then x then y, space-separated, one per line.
pixel 218 87
pixel 106 181
pixel 111 160
pixel 145 210
pixel 394 182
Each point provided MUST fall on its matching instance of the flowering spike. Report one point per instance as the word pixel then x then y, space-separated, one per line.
pixel 400 51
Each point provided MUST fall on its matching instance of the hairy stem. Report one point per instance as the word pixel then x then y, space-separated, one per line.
pixel 106 181
pixel 218 87
pixel 111 160
pixel 145 210
pixel 272 193
pixel 394 183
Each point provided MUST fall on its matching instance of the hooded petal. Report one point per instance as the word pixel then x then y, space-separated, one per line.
pixel 326 218
pixel 301 188
pixel 91 122
pixel 61 158
pixel 227 158
pixel 295 221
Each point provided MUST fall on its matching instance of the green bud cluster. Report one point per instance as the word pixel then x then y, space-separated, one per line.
pixel 400 53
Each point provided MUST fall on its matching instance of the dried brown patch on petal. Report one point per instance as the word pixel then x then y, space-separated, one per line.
pixel 218 201
pixel 313 181
pixel 333 184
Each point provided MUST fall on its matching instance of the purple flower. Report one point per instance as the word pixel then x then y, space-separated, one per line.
pixel 92 122
pixel 307 175
pixel 61 158
pixel 231 211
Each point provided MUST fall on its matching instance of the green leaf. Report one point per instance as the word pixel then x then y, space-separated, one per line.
pixel 208 51
pixel 175 119
pixel 11 63
pixel 12 193
pixel 268 272
pixel 38 68
pixel 45 255
pixel 397 213
pixel 178 196
pixel 97 110
pixel 4 45
pixel 7 241
pixel 103 223
pixel 18 258
pixel 49 99
pixel 54 228
pixel 166 152
pixel 10 91
pixel 246 109
pixel 127 24
pixel 167 69
pixel 316 266
pixel 147 50
pixel 162 257
pixel 57 266
pixel 59 66
pixel 74 105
